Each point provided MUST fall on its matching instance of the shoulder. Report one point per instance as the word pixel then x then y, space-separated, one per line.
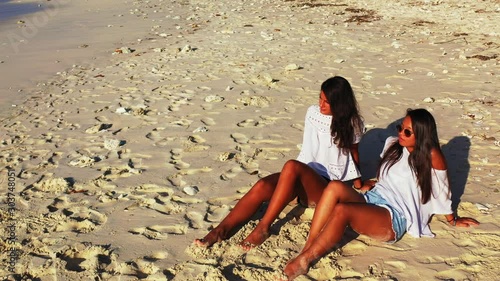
pixel 390 140
pixel 313 109
pixel 316 119
pixel 438 160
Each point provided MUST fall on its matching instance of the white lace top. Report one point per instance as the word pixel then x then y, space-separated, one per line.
pixel 400 188
pixel 319 151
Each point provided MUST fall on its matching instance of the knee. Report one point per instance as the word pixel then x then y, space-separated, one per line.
pixel 263 187
pixel 334 187
pixel 291 166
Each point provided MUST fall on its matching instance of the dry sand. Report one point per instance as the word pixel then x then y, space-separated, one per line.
pixel 122 161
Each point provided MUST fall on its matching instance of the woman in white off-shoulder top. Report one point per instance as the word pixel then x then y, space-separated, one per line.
pixel 412 186
pixel 329 151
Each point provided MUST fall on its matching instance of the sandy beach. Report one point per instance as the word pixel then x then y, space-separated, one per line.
pixel 115 159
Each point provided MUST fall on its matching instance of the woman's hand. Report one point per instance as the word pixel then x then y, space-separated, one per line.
pixel 465 222
pixel 367 185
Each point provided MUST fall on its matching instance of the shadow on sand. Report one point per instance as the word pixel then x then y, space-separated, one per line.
pixel 456 152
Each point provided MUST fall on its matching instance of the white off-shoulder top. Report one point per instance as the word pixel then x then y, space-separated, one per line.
pixel 400 188
pixel 319 152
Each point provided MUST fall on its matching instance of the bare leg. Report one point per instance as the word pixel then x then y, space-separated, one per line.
pixel 294 178
pixel 367 219
pixel 246 207
pixel 336 192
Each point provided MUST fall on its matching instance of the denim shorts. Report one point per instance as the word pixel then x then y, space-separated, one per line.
pixel 398 220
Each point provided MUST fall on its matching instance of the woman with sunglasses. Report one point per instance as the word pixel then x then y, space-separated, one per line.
pixel 329 151
pixel 412 186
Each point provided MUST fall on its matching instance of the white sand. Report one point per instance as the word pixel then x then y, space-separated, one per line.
pixel 36 46
pixel 105 151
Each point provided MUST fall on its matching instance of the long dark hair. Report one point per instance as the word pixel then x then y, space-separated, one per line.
pixel 420 161
pixel 346 117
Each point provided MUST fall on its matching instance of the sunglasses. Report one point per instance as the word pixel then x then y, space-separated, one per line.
pixel 407 132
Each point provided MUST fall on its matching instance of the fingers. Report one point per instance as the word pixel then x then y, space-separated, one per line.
pixel 201 242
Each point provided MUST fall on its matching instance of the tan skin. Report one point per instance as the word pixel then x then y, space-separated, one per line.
pixel 278 189
pixel 341 206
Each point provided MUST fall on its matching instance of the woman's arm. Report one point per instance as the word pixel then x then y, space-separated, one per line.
pixel 357 183
pixel 438 160
pixel 439 163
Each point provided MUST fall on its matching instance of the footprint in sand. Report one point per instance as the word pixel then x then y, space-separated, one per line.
pixel 265 141
pixel 176 153
pixel 82 161
pixel 159 232
pixel 258 101
pixel 233 172
pixel 112 196
pixel 196 171
pixel 176 180
pixel 208 121
pixel 269 153
pixel 227 200
pixel 247 123
pixel 50 184
pixel 196 139
pixel 152 188
pixel 156 256
pixel 124 171
pixel 217 213
pixel 196 271
pixel 154 136
pixel 170 229
pixel 181 123
pixel 179 164
pixel 164 142
pixel 193 144
pixel 239 138
pixel 225 156
pixel 148 233
pixel 383 112
pixel 162 204
pixel 398 265
pixel 74 216
pixel 195 220
pixel 251 168
pixel 269 120
pixel 354 248
pixel 165 205
pixel 81 257
pixel 145 268
pixel 59 203
pixel 81 219
pixel 186 200
pixel 98 128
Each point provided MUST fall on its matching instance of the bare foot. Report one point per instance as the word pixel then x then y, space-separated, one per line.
pixel 254 239
pixel 214 236
pixel 296 267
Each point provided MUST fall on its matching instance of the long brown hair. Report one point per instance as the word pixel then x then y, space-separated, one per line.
pixel 420 161
pixel 345 109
